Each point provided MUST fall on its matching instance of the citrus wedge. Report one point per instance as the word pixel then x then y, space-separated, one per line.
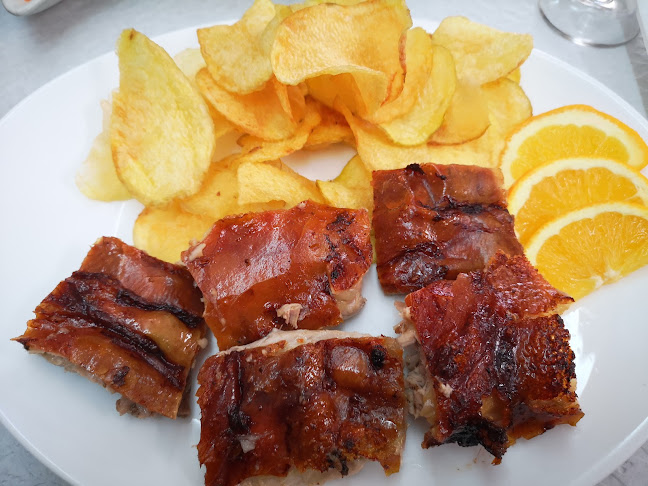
pixel 570 131
pixel 580 251
pixel 560 186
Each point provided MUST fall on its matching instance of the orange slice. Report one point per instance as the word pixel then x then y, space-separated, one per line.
pixel 570 131
pixel 560 186
pixel 580 251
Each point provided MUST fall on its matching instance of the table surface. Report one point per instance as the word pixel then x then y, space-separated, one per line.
pixel 36 49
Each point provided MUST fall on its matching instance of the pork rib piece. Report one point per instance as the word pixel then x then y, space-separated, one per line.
pixel 432 222
pixel 288 269
pixel 300 407
pixel 126 320
pixel 491 360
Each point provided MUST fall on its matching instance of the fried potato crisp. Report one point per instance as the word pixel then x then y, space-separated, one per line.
pixel 351 189
pixel 161 133
pixel 508 103
pixel 466 118
pixel 332 128
pixel 361 40
pixel 378 152
pixel 97 177
pixel 166 232
pixel 481 53
pixel 234 54
pixel 219 195
pixel 417 59
pixel 260 113
pixel 271 150
pixel 431 102
pixel 190 61
pixel 261 182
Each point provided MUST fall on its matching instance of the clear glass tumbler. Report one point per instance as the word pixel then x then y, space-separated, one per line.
pixel 593 22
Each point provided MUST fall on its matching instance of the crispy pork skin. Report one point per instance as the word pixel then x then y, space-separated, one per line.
pixel 127 321
pixel 495 355
pixel 296 268
pixel 432 222
pixel 300 407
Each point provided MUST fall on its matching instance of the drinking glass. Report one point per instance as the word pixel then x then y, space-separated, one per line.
pixel 593 22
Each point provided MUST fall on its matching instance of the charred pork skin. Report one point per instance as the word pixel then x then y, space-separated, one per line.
pixel 490 360
pixel 300 407
pixel 299 268
pixel 126 320
pixel 432 222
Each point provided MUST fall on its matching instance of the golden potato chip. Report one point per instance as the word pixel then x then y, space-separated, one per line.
pixel 332 128
pixel 467 117
pixel 309 3
pixel 481 53
pixel 219 196
pixel 190 61
pixel 234 54
pixel 508 103
pixel 165 232
pixel 515 75
pixel 328 88
pixel 426 114
pixel 257 149
pixel 260 182
pixel 161 134
pixel 378 152
pixel 417 59
pixel 259 113
pixel 97 177
pixel 327 39
pixel 351 189
pixel 291 98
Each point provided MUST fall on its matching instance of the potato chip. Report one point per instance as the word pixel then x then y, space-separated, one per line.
pixel 332 128
pixel 261 150
pixel 481 53
pixel 417 60
pixel 515 75
pixel 97 178
pixel 165 232
pixel 328 88
pixel 190 61
pixel 218 196
pixel 291 98
pixel 507 103
pixel 426 114
pixel 466 118
pixel 259 113
pixel 309 3
pixel 361 40
pixel 351 189
pixel 260 182
pixel 378 152
pixel 234 54
pixel 161 134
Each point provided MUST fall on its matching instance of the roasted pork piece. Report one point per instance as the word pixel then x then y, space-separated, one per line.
pixel 288 269
pixel 126 320
pixel 300 407
pixel 432 222
pixel 489 360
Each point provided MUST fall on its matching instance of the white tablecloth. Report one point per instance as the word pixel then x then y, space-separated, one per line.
pixel 34 50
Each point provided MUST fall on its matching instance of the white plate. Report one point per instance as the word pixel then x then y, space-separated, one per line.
pixel 70 423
